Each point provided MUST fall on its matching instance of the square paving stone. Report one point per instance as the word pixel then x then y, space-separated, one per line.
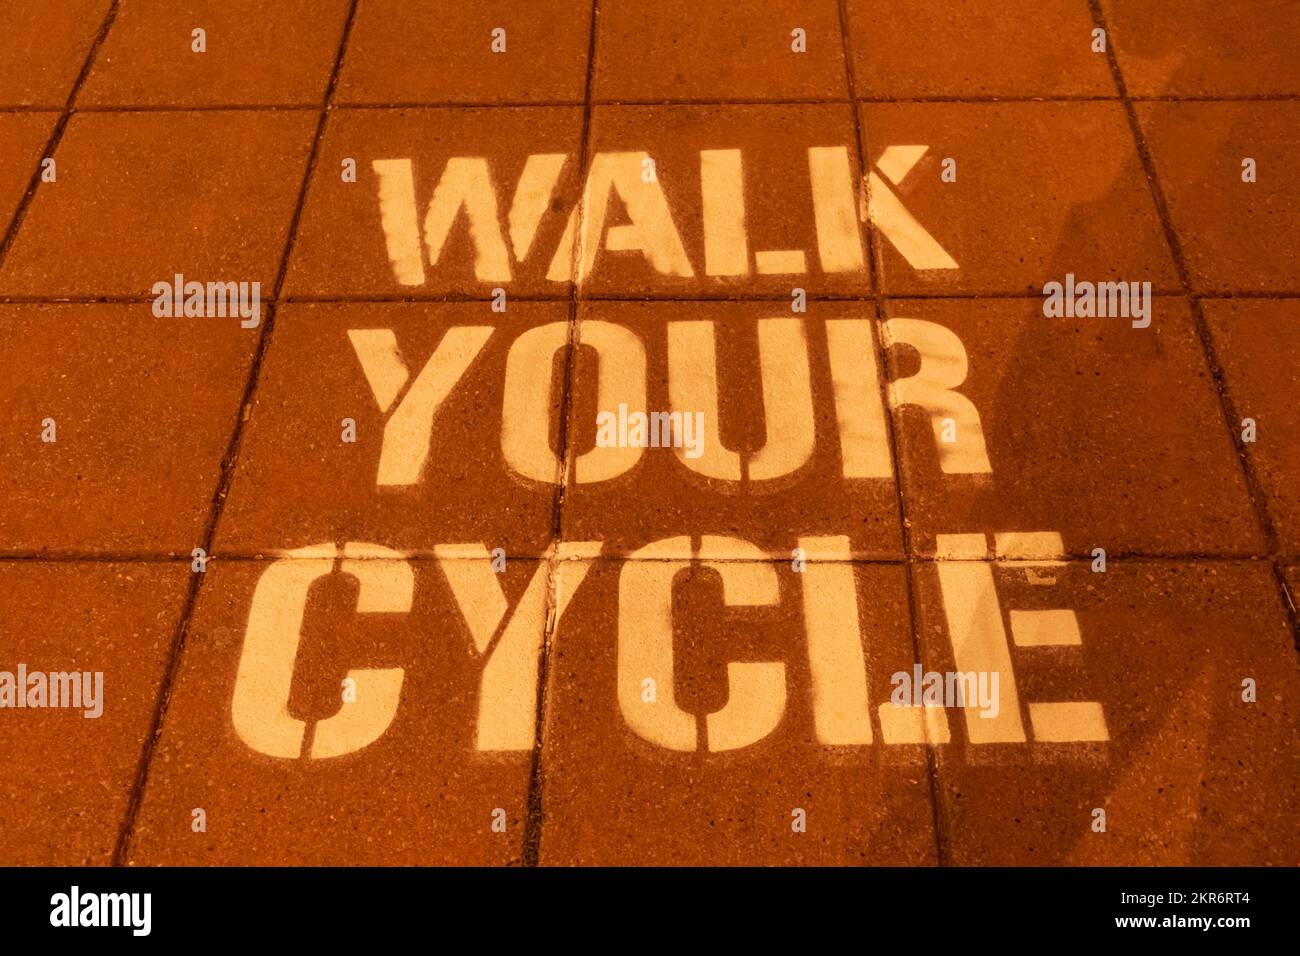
pixel 1120 692
pixel 253 53
pixel 1041 190
pixel 1110 435
pixel 723 200
pixel 1237 236
pixel 139 411
pixel 508 179
pixel 260 736
pixel 726 763
pixel 431 467
pixel 975 48
pixel 68 776
pixel 780 429
pixel 441 51
pixel 1206 47
pixel 141 197
pixel 681 50
pixel 43 47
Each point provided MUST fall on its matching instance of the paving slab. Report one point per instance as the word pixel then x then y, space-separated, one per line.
pixel 22 139
pixel 780 430
pixel 138 412
pixel 1128 700
pixel 249 53
pixel 259 737
pixel 1206 47
pixel 1041 190
pixel 431 467
pixel 728 199
pixel 1111 435
pixel 975 48
pixel 141 197
pixel 1237 236
pixel 682 50
pixel 447 52
pixel 352 244
pixel 728 789
pixel 68 777
pixel 43 47
pixel 1257 343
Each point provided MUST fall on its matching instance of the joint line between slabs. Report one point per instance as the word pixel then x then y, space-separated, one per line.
pixel 457 298
pixel 874 267
pixel 1253 488
pixel 533 819
pixel 228 463
pixel 911 561
pixel 615 101
pixel 429 555
pixel 203 108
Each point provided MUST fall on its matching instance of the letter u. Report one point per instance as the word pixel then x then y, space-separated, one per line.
pixel 787 397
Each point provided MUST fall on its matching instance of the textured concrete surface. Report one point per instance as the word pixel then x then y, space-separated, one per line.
pixel 652 441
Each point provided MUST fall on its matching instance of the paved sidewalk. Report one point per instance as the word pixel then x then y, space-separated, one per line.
pixel 328 326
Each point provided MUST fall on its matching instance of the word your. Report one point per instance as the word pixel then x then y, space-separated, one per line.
pixel 1105 300
pixel 103 909
pixel 953 689
pixel 787 372
pixel 466 192
pixel 507 639
pixel 56 689
pixel 656 430
pixel 214 299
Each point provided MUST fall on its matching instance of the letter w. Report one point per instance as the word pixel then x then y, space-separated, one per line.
pixel 466 185
pixel 408 431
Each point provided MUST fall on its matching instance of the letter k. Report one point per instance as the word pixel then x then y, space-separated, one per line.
pixel 887 212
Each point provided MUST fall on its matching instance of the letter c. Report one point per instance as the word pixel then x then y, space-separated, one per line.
pixel 756 690
pixel 260 707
